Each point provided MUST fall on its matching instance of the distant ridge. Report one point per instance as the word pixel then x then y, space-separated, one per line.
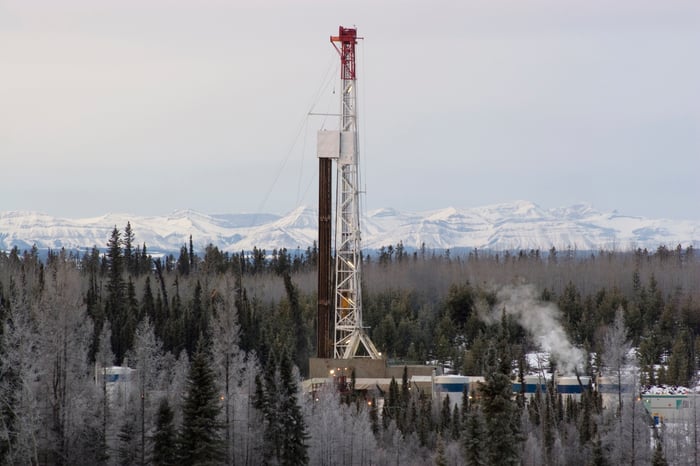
pixel 517 225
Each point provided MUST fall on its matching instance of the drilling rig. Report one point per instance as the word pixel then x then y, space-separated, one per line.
pixel 351 340
pixel 344 302
pixel 346 348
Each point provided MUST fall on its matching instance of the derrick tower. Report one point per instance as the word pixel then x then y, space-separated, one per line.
pixel 349 337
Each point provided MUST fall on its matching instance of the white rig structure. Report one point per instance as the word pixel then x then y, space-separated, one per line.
pixel 350 339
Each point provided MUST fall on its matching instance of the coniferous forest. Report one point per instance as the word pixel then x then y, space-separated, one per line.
pixel 216 346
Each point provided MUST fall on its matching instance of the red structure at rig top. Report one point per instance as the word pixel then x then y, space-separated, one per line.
pixel 348 39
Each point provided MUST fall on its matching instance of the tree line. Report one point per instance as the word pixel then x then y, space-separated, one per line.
pixel 219 342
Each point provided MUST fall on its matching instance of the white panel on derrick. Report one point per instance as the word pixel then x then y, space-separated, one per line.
pixel 347 147
pixel 328 144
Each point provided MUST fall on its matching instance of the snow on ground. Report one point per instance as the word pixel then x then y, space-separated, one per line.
pixel 667 390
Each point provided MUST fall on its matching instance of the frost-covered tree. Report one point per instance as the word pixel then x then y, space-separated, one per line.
pixel 627 438
pixel 229 363
pixel 174 378
pixel 246 421
pixel 626 430
pixel 616 353
pixel 103 435
pixel 20 420
pixel 339 433
pixel 66 384
pixel 128 453
pixel 146 358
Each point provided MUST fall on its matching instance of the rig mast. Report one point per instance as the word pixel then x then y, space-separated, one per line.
pixel 350 339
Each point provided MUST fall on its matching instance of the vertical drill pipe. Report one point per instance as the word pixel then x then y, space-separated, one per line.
pixel 324 349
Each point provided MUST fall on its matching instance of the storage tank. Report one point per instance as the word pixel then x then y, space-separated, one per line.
pixel 609 389
pixel 611 385
pixel 118 380
pixel 569 385
pixel 453 386
pixel 532 383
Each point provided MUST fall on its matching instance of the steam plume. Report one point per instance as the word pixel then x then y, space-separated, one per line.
pixel 541 320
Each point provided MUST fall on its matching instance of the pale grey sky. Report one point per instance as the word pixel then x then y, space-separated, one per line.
pixel 150 106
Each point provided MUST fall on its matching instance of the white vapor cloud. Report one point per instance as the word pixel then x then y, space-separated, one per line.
pixel 541 320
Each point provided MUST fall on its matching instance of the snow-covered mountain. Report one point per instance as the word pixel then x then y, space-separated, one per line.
pixel 509 226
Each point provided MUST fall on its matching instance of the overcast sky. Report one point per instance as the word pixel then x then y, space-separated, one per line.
pixel 148 106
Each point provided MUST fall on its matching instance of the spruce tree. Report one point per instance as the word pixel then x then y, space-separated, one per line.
pixel 473 438
pixel 598 455
pixel 192 256
pixel 295 435
pixel 658 459
pixel 129 255
pixel 199 440
pixel 145 262
pixel 183 262
pixel 586 424
pixel 404 399
pixel 413 417
pixel 115 308
pixel 262 401
pixel 456 425
pixel 148 306
pixel 284 429
pixel 374 416
pixel 464 408
pixel 500 411
pixel 195 320
pixel 165 436
pixel 128 450
pixel 440 459
pixel 445 415
pixel 301 355
pixel 680 364
pixel 391 405
pixel 425 420
pixel 548 427
pixel 131 315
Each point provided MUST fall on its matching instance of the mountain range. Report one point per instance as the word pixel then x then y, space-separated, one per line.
pixel 518 225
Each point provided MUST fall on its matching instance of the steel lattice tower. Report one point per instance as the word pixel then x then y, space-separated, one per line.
pixel 350 338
